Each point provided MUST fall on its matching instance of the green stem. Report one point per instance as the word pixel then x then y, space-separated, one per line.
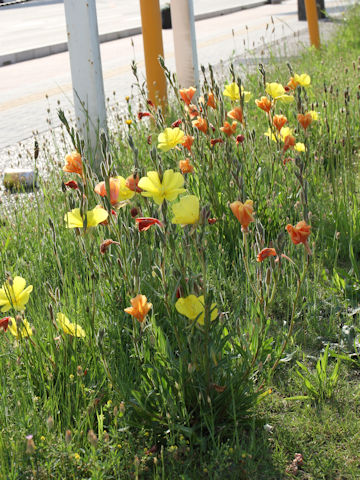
pixel 247 270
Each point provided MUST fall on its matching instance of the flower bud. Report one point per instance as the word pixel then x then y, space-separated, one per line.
pixel 30 445
pixel 268 276
pixel 92 438
pixel 50 422
pixel 68 436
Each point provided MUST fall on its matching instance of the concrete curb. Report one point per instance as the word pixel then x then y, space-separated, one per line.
pixel 45 50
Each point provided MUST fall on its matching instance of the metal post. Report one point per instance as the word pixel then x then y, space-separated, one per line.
pixel 153 48
pixel 313 23
pixel 86 73
pixel 183 23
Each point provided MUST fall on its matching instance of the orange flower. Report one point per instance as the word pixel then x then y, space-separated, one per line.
pixel 211 100
pixel 114 184
pixel 187 94
pixel 72 184
pixel 132 183
pixel 214 141
pixel 292 84
pixel 279 121
pixel 177 123
pixel 229 129
pixel 188 141
pixel 106 244
pixel 236 114
pixel 264 103
pixel 300 234
pixel 240 139
pixel 305 120
pixel 200 124
pixel 145 223
pixel 73 163
pixel 141 115
pixel 265 253
pixel 193 111
pixel 139 307
pixel 287 160
pixel 289 142
pixel 185 166
pixel 243 212
pixel 4 323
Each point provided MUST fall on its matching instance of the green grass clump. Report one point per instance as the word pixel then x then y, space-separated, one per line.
pixel 243 377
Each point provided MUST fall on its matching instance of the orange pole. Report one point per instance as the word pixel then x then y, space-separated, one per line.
pixel 313 23
pixel 153 48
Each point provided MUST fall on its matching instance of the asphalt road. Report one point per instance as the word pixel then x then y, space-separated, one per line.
pixel 29 89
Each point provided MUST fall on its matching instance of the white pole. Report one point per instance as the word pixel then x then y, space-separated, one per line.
pixel 183 24
pixel 86 73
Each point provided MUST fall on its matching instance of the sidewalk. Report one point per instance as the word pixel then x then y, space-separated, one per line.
pixel 37 28
pixel 32 91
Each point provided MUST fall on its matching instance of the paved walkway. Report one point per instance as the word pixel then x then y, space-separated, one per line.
pixel 29 27
pixel 25 85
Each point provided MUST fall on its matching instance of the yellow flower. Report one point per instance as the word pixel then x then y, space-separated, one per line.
pixel 277 92
pixel 193 308
pixel 285 132
pixel 233 92
pixel 168 189
pixel 314 115
pixel 128 122
pixel 69 328
pixel 272 135
pixel 169 138
pixel 13 294
pixel 24 331
pixel 187 210
pixel 303 79
pixel 73 219
pixel 299 147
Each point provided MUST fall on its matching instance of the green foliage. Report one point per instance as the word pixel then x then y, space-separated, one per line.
pixel 319 385
pixel 167 396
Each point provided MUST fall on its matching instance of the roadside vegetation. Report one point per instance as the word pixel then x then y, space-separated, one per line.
pixel 190 308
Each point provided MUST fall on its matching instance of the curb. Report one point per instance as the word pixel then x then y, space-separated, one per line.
pixel 46 50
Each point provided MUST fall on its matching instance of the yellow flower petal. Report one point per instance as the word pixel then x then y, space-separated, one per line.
pixel 299 147
pixel 304 79
pixel 314 115
pixel 186 211
pixel 247 95
pixel 232 91
pixel 193 308
pixel 73 219
pixel 69 328
pixel 274 89
pixel 14 295
pixel 277 92
pixel 25 329
pixel 169 138
pixel 271 135
pixel 169 188
pixel 18 285
pixel 124 192
pixel 96 216
pixel 285 132
pixel 285 99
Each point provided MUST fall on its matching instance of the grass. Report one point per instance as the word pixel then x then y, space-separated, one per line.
pixel 172 397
